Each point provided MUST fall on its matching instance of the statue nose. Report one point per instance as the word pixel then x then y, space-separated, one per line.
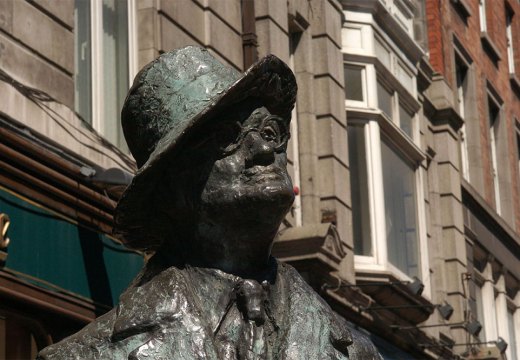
pixel 261 152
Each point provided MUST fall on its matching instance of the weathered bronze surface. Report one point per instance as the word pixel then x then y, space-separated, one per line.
pixel 210 194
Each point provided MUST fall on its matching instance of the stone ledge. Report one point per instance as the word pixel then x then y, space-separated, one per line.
pixel 462 8
pixel 311 242
pixel 490 47
pixel 515 84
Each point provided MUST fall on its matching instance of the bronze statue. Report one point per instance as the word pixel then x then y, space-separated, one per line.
pixel 208 199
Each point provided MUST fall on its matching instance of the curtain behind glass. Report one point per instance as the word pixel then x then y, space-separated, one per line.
pixel 82 60
pixel 115 68
pixel 400 212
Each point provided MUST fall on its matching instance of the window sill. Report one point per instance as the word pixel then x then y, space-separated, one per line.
pixel 462 8
pixel 394 294
pixel 515 83
pixel 490 47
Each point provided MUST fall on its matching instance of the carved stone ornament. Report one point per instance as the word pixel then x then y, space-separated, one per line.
pixel 209 196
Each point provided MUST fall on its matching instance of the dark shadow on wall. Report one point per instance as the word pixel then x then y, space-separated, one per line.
pixel 95 268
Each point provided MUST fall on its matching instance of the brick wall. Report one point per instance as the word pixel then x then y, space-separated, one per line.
pixel 444 21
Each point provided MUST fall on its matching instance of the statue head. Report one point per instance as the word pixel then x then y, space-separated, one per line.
pixel 210 144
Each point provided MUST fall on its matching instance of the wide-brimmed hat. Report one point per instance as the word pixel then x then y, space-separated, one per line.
pixel 179 92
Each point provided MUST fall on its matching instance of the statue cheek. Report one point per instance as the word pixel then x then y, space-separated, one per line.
pixel 229 167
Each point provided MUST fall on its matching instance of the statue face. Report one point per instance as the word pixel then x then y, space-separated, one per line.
pixel 251 171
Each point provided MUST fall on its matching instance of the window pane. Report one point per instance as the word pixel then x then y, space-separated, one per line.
pixel 115 67
pixel 405 121
pixel 354 82
pixel 384 99
pixel 359 190
pixel 82 60
pixel 400 212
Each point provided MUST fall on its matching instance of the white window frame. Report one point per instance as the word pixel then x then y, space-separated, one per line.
pixel 509 39
pixel 364 81
pixel 485 281
pixel 96 22
pixel 398 101
pixel 366 114
pixel 461 100
pixel 377 127
pixel 403 12
pixel 494 297
pixel 514 305
pixel 493 146
pixel 482 15
pixel 294 142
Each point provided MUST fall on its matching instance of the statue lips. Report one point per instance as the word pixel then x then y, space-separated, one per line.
pixel 270 183
pixel 260 174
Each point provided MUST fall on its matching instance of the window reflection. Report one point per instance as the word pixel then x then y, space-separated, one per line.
pixel 400 211
pixel 359 191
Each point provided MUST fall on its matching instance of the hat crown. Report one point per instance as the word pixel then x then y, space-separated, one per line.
pixel 168 92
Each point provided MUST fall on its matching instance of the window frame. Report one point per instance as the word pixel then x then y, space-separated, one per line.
pixel 482 16
pixel 462 61
pixel 96 52
pixel 375 126
pixel 513 308
pixel 509 40
pixel 492 97
pixel 399 99
pixel 485 281
pixel 364 81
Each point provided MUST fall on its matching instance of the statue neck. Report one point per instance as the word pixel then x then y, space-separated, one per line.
pixel 242 251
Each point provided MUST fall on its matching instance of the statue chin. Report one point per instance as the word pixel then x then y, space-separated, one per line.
pixel 277 196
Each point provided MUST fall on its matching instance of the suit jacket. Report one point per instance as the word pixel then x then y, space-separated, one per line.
pixel 159 317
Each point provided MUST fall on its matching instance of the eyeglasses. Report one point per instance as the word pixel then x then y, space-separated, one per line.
pixel 228 137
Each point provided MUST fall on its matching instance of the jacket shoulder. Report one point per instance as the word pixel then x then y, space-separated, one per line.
pixel 89 343
pixel 342 335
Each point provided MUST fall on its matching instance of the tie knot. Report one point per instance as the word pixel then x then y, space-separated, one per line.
pixel 251 298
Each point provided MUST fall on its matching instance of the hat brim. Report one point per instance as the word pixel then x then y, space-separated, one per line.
pixel 136 222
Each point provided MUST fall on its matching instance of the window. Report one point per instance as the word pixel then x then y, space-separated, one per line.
pixel 394 109
pixel 400 211
pixel 518 144
pixel 385 99
pixel 509 36
pixel 294 158
pixel 104 63
pixel 386 177
pixel 493 120
pixel 385 202
pixel 354 84
pixel 359 190
pixel 482 14
pixel 486 305
pixel 513 333
pixel 480 310
pixel 403 12
pixel 461 77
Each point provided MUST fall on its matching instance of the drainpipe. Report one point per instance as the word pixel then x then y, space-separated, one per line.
pixel 249 38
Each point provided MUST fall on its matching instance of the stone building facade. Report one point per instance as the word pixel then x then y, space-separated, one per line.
pixel 404 153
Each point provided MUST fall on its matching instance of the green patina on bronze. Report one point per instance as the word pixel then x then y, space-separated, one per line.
pixel 211 192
